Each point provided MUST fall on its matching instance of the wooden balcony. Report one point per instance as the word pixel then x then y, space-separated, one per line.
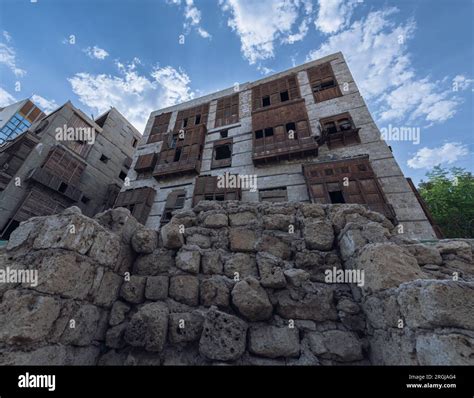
pixel 287 149
pixel 55 183
pixel 341 138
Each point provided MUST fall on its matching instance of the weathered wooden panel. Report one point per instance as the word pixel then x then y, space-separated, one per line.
pixel 145 163
pixel 138 201
pixel 277 91
pixel 159 128
pixel 227 111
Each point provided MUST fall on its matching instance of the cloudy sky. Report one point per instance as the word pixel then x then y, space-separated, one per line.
pixel 412 59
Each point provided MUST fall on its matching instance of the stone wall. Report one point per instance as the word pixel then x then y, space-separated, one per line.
pixel 235 283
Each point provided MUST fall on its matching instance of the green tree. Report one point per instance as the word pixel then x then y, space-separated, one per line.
pixel 449 195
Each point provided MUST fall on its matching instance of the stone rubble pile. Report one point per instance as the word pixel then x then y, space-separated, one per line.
pixel 235 283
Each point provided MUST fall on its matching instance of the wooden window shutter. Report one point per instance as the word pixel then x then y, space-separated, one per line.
pixel 145 163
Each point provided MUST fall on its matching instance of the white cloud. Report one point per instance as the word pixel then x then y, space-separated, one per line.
pixel 7 36
pixel 260 24
pixel 133 94
pixel 96 52
pixel 333 15
pixel 6 98
pixel 47 106
pixel 264 70
pixel 448 153
pixel 192 17
pixel 8 56
pixel 376 51
pixel 462 83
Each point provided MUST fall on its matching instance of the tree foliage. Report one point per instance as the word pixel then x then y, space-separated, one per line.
pixel 449 195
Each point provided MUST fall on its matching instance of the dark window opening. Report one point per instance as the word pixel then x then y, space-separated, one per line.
pixel 134 142
pixel 209 197
pixel 185 122
pixel 259 134
pixel 177 155
pixel 220 197
pixel 291 127
pixel 11 226
pixel 269 132
pixel 122 175
pixel 223 152
pixel 85 200
pixel 284 96
pixel 62 188
pixel 336 197
pixel 224 134
pixel 327 84
pixel 179 204
pixel 330 127
pixel 104 158
pixel 198 119
pixel 266 101
pixel 131 208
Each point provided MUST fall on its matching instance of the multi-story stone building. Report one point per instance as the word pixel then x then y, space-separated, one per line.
pixel 64 159
pixel 305 134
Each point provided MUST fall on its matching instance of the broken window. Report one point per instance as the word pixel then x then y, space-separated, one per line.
pixel 362 187
pixel 174 201
pixel 273 195
pixel 323 82
pixel 336 197
pixel 222 154
pixel 339 131
pixel 284 96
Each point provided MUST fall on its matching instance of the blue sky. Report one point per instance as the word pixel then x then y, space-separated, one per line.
pixel 412 60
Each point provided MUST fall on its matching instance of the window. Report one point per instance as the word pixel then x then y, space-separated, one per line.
pixel 85 199
pixel 284 96
pixel 275 92
pixel 291 130
pixel 336 197
pixel 345 124
pixel 104 159
pixel 190 117
pixel 269 132
pixel 330 127
pixel 138 201
pixel 323 82
pixel 198 119
pixel 273 195
pixel 177 155
pixel 174 201
pixel 63 187
pixel 259 134
pixel 185 123
pixel 159 128
pixel 224 134
pixel 134 142
pixel 223 152
pixel 206 188
pixel 122 175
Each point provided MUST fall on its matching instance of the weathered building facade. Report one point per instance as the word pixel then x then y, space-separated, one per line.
pixel 64 159
pixel 304 134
